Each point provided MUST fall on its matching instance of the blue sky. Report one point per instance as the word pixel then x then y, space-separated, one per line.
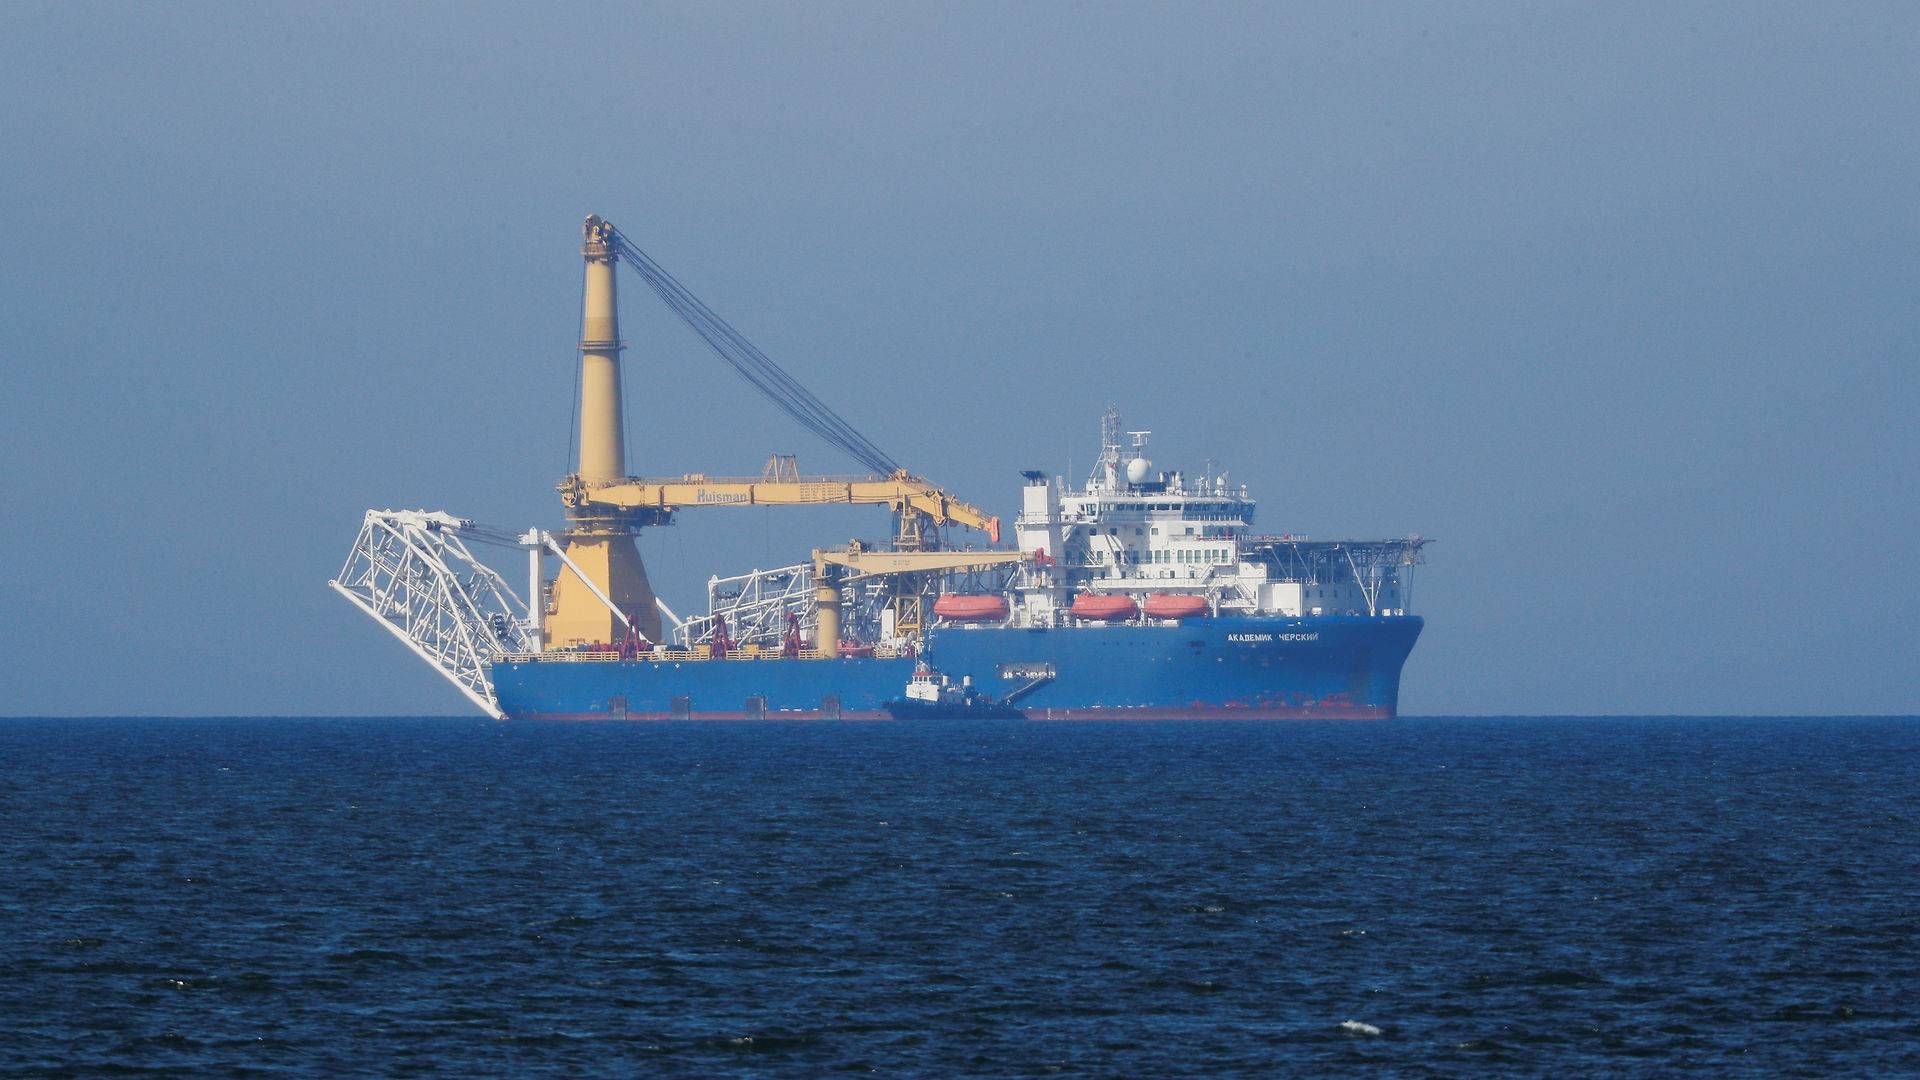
pixel 1618 303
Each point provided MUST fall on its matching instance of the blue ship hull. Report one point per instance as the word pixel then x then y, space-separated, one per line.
pixel 1326 667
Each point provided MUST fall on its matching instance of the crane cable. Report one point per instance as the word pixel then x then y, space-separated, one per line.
pixel 751 364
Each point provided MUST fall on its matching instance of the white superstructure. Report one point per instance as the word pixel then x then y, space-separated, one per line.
pixel 1141 533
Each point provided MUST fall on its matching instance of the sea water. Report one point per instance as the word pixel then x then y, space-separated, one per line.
pixel 1416 897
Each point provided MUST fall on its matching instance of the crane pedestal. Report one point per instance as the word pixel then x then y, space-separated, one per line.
pixel 576 617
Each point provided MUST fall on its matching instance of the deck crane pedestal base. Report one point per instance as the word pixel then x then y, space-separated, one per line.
pixel 574 616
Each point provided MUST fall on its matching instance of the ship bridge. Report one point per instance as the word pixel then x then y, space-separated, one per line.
pixel 1138 532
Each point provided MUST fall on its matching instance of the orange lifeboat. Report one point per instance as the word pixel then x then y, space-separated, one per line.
pixel 1109 608
pixel 960 608
pixel 1175 606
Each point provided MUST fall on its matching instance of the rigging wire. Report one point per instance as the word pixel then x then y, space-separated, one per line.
pixel 573 421
pixel 751 364
pixel 760 371
pixel 573 418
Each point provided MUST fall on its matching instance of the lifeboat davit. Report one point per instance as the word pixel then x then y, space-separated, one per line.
pixel 1175 606
pixel 956 607
pixel 1096 606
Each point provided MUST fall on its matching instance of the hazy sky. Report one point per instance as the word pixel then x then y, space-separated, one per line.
pixel 1619 304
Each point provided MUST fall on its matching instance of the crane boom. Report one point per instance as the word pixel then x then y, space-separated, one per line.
pixel 868 564
pixel 902 492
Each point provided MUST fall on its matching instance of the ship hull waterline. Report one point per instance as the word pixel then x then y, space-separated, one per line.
pixel 1246 668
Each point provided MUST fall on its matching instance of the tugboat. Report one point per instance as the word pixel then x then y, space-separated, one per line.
pixel 931 695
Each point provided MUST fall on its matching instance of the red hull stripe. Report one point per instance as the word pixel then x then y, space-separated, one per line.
pixel 772 714
pixel 1329 713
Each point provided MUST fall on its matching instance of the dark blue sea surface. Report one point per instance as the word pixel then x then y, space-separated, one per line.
pixel 1419 897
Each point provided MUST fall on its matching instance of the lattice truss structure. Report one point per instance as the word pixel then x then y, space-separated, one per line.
pixel 412 572
pixel 755 607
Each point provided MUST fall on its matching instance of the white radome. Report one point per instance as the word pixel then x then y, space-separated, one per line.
pixel 1137 470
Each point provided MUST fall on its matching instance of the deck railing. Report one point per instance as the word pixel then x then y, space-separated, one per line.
pixel 700 654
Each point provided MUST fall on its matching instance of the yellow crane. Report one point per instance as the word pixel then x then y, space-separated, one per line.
pixel 918 502
pixel 919 506
pixel 604 505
